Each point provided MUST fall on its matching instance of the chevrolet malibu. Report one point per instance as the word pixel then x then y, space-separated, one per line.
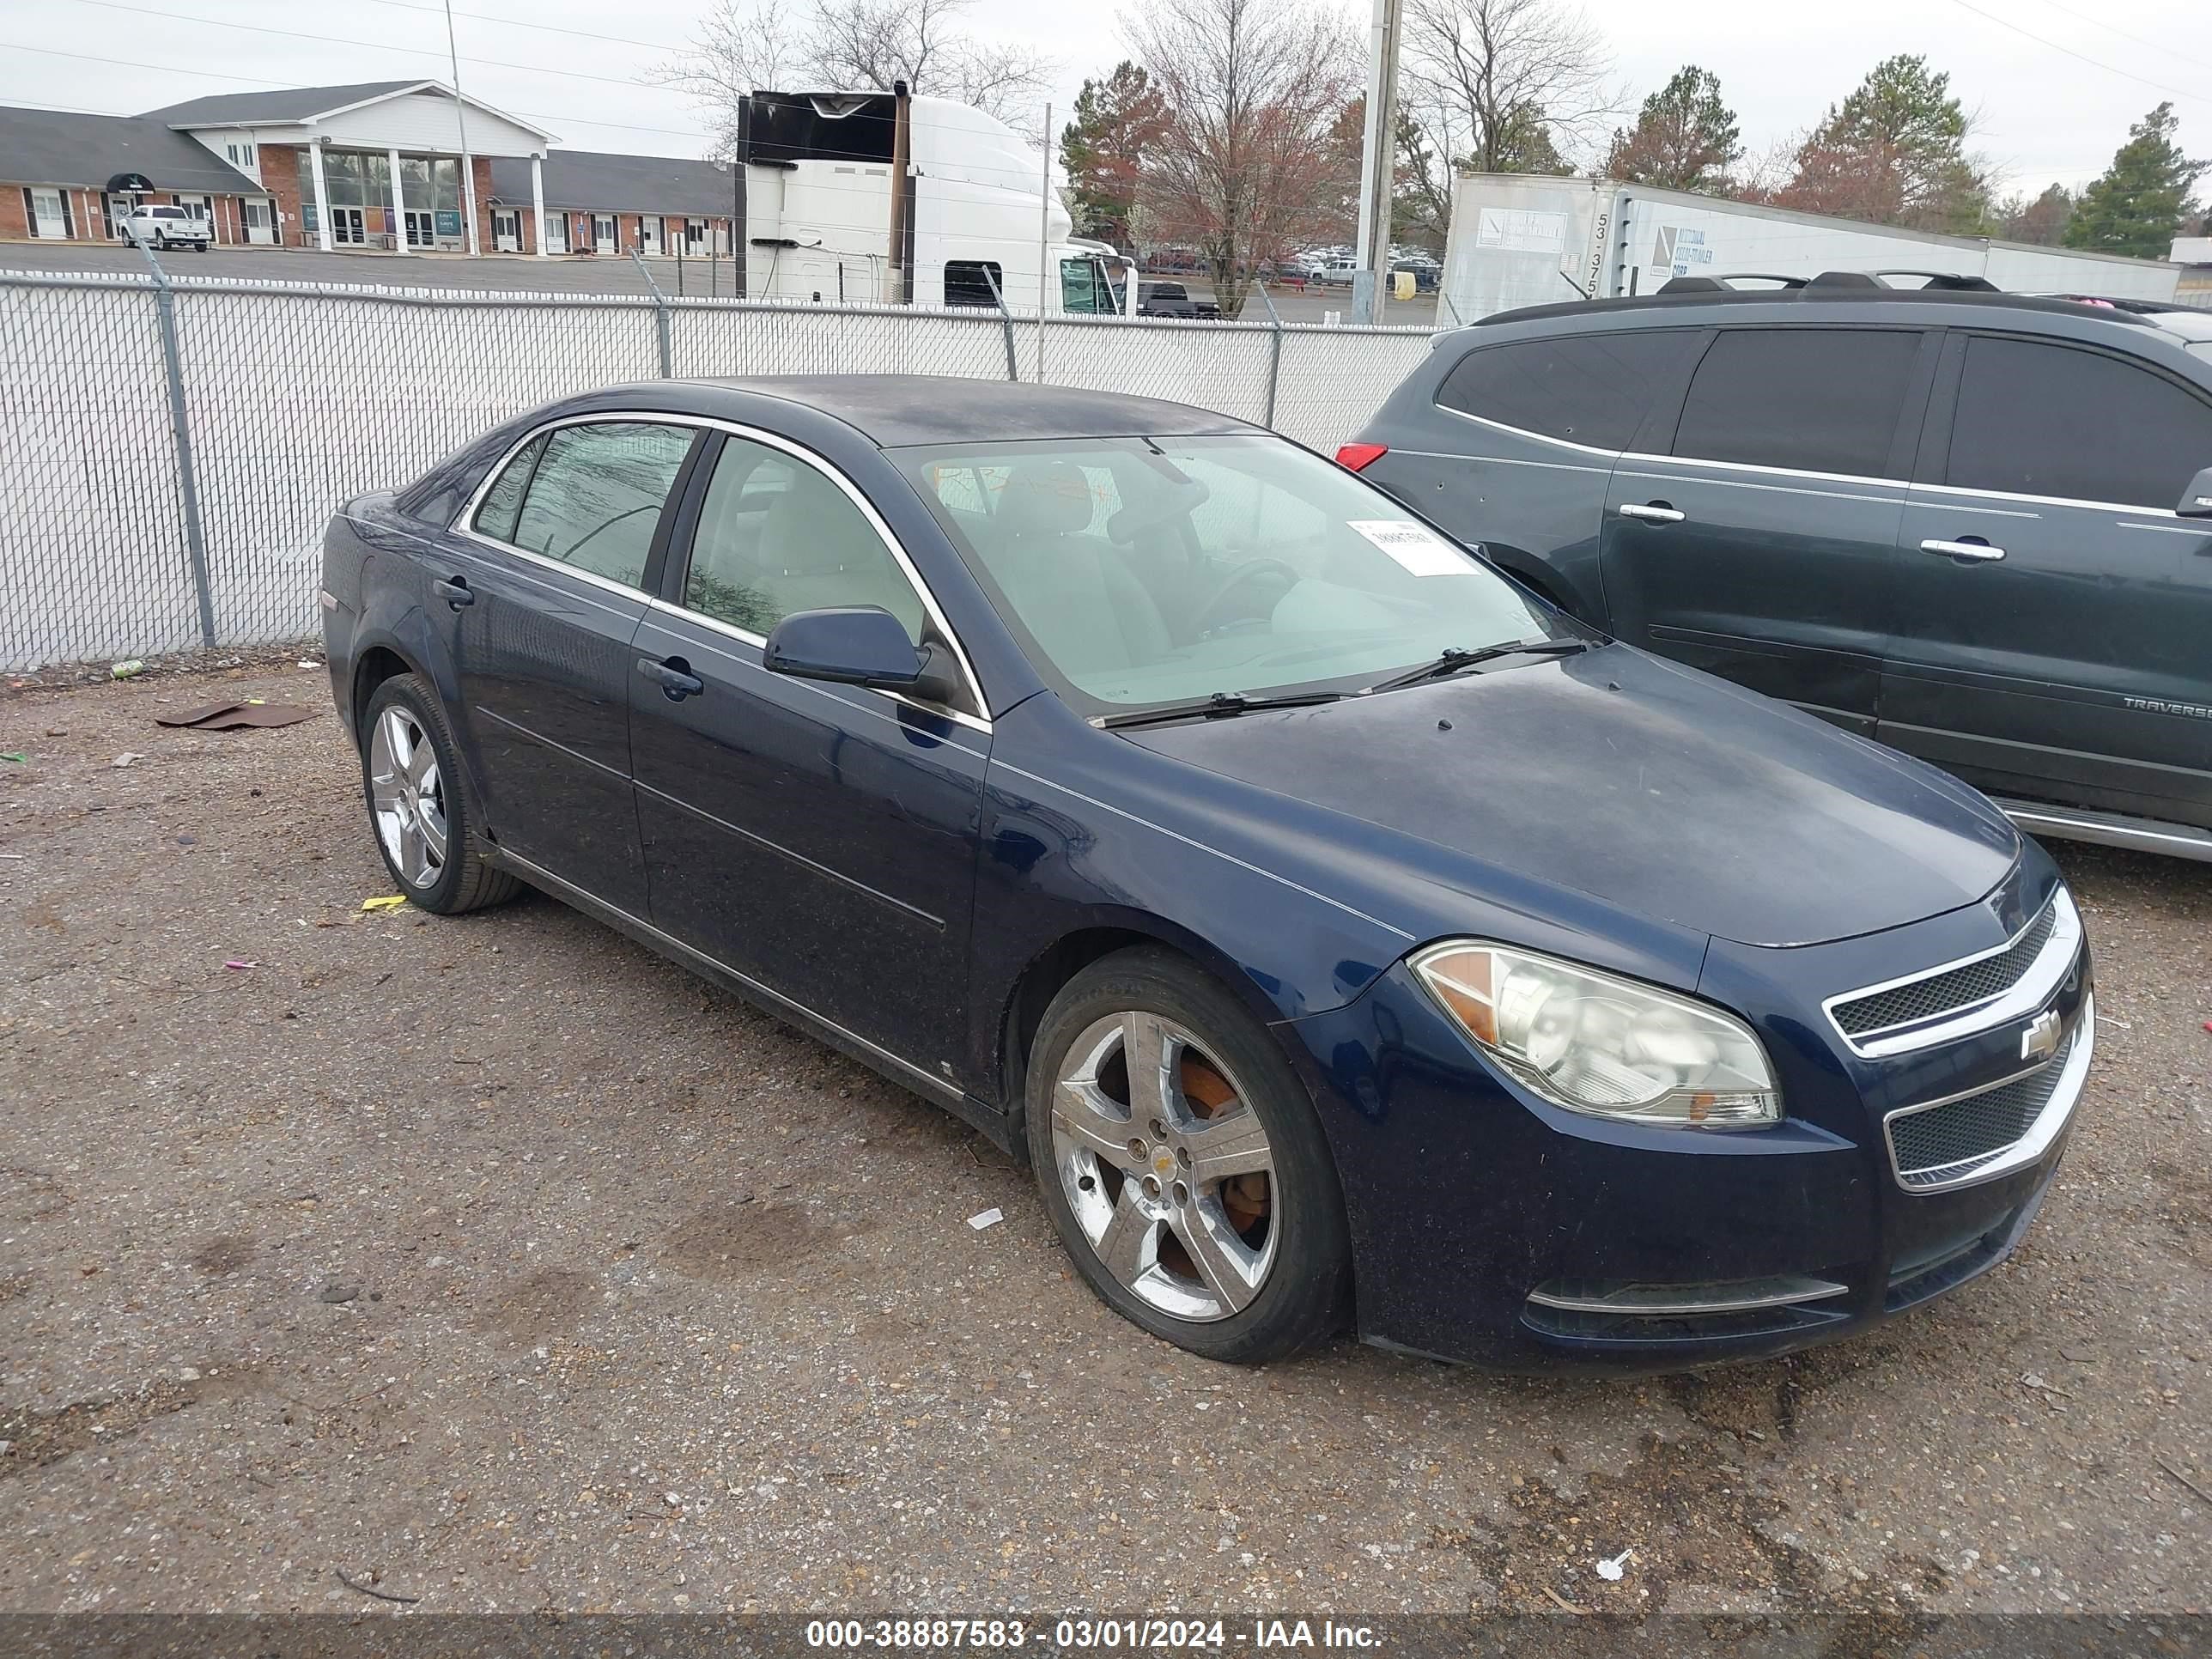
pixel 1343 934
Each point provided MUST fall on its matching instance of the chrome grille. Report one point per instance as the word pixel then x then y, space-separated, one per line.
pixel 1937 1147
pixel 1943 993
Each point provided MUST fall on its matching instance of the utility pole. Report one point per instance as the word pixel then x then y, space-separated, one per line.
pixel 1377 168
pixel 468 162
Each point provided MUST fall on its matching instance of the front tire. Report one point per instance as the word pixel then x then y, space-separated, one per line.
pixel 419 805
pixel 1183 1163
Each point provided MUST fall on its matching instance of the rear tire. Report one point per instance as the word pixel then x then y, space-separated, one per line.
pixel 1203 1205
pixel 420 808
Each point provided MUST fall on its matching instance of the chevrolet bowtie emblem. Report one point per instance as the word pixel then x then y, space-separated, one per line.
pixel 2040 1040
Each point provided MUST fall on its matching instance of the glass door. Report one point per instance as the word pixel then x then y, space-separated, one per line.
pixel 648 235
pixel 422 232
pixel 259 215
pixel 604 239
pixel 349 226
pixel 48 219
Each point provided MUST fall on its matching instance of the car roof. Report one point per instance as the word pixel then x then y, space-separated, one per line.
pixel 1809 297
pixel 894 410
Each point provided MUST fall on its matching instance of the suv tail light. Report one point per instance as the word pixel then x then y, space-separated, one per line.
pixel 1358 458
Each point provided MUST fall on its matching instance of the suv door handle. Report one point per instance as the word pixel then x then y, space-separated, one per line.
pixel 1972 547
pixel 455 593
pixel 1653 512
pixel 675 675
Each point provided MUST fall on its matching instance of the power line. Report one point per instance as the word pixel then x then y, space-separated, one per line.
pixel 2084 17
pixel 547 28
pixel 2158 86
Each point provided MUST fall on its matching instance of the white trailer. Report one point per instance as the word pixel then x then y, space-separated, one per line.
pixel 1524 239
pixel 823 216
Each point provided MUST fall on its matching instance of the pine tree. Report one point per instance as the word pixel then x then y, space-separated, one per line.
pixel 1894 152
pixel 2138 205
pixel 1116 119
pixel 1684 137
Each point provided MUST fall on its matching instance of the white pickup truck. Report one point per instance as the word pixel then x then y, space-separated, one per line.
pixel 152 225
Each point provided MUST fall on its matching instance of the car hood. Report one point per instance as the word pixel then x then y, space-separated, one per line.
pixel 1661 790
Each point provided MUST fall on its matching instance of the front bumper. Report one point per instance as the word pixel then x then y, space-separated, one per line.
pixel 1492 1228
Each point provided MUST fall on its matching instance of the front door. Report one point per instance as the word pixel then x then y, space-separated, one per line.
pixel 259 215
pixel 1759 546
pixel 604 239
pixel 49 219
pixel 507 230
pixel 2054 634
pixel 349 226
pixel 422 228
pixel 548 586
pixel 648 235
pixel 818 838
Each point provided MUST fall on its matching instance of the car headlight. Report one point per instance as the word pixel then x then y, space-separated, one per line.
pixel 1611 1047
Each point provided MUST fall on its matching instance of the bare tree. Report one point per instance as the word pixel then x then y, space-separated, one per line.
pixel 1243 168
pixel 745 45
pixel 1506 86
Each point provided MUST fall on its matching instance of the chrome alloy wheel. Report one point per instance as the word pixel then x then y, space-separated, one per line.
pixel 407 797
pixel 1166 1167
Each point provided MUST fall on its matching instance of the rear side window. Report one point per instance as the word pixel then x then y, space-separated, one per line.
pixel 589 495
pixel 2048 420
pixel 1592 389
pixel 1809 399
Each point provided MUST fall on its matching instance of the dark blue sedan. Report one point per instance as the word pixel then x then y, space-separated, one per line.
pixel 1345 935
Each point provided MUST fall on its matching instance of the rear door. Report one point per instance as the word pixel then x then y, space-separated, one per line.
pixel 1759 543
pixel 2054 622
pixel 820 839
pixel 543 588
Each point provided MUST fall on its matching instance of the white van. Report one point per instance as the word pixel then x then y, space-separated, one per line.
pixel 150 224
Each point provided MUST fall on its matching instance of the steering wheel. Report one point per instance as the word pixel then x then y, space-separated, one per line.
pixel 1204 617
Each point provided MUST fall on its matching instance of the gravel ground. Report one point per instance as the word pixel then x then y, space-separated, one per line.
pixel 495 1262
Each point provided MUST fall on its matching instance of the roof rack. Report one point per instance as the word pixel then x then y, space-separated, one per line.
pixel 1933 281
pixel 1828 288
pixel 1719 282
pixel 1944 281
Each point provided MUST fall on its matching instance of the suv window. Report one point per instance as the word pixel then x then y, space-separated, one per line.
pixel 1592 389
pixel 589 495
pixel 777 536
pixel 1809 399
pixel 2049 420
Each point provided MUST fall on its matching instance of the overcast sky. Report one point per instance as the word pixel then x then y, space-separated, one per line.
pixel 2046 114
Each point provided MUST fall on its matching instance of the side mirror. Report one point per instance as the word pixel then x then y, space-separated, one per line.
pixel 2197 500
pixel 850 645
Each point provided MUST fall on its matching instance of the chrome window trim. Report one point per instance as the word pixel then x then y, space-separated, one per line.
pixel 464 524
pixel 2127 509
pixel 2027 995
pixel 1780 490
pixel 2029 1149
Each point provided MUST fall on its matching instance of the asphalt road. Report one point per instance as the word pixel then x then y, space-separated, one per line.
pixel 495 1262
pixel 555 273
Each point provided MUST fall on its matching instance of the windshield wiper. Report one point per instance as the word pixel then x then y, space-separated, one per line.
pixel 1220 705
pixel 1451 661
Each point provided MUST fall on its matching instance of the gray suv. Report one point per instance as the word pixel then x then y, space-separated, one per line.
pixel 1975 526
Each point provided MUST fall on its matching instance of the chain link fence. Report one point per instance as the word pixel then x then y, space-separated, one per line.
pixel 175 445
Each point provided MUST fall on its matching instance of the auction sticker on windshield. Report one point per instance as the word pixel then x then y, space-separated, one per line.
pixel 1415 546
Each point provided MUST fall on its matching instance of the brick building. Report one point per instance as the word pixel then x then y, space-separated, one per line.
pixel 393 165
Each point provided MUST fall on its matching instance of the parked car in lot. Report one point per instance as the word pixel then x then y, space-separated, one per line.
pixel 1340 931
pixel 1171 299
pixel 1977 526
pixel 152 225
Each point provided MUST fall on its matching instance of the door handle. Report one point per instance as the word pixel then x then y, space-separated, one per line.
pixel 1652 512
pixel 455 593
pixel 677 680
pixel 1971 547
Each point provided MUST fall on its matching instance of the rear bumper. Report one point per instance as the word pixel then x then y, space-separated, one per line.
pixel 1490 1228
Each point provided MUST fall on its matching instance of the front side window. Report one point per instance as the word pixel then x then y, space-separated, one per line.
pixel 589 495
pixel 973 282
pixel 1593 389
pixel 2048 420
pixel 776 535
pixel 1079 285
pixel 1139 571
pixel 1807 399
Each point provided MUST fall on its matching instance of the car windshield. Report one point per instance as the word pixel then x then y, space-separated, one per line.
pixel 1141 571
